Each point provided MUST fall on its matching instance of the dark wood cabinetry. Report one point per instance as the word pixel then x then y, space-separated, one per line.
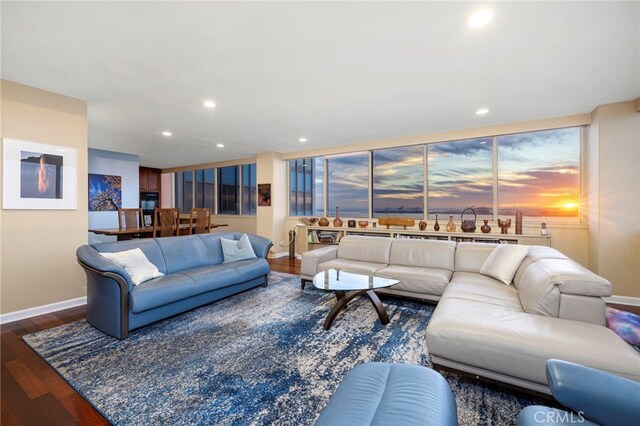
pixel 149 179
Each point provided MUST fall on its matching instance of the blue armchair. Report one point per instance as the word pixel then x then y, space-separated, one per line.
pixel 595 398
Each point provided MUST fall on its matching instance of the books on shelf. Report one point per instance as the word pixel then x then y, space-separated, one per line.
pixel 326 237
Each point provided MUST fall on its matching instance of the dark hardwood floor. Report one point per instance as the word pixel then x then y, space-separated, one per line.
pixel 33 393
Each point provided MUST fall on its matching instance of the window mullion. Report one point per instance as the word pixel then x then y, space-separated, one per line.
pixel 425 164
pixel 495 178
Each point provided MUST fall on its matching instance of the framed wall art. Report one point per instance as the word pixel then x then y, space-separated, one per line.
pixel 105 193
pixel 38 176
pixel 264 194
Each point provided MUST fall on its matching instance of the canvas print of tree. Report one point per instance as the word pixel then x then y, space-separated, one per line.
pixel 105 193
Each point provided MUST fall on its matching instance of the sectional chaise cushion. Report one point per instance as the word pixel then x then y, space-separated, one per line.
pixel 469 285
pixel 417 280
pixel 472 326
pixel 351 266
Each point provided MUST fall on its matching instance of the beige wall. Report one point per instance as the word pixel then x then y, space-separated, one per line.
pixel 270 168
pixel 614 196
pixel 236 223
pixel 38 261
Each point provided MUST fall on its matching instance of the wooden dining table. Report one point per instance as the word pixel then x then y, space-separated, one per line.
pixel 143 231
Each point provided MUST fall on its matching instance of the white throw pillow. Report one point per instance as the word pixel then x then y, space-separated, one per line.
pixel 234 251
pixel 136 264
pixel 504 261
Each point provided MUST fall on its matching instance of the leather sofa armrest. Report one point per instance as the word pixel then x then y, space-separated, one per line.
pixel 544 281
pixel 88 256
pixel 311 259
pixel 600 396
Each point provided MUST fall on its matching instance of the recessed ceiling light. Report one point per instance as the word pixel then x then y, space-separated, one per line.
pixel 209 104
pixel 220 145
pixel 302 140
pixel 167 133
pixel 480 18
pixel 482 111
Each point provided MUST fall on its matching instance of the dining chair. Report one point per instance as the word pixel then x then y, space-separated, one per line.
pixel 166 222
pixel 200 221
pixel 130 218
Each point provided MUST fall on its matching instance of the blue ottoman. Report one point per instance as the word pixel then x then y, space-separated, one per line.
pixel 378 393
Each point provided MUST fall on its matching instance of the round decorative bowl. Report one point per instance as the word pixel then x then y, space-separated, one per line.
pixel 308 221
pixel 363 223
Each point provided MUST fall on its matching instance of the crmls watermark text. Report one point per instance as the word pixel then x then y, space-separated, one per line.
pixel 562 417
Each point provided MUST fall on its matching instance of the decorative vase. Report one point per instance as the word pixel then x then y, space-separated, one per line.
pixel 485 228
pixel 351 223
pixel 323 222
pixel 451 227
pixel 519 216
pixel 337 222
pixel 504 225
pixel 436 226
pixel 422 225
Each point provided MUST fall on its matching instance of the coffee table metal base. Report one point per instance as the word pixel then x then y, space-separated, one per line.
pixel 344 298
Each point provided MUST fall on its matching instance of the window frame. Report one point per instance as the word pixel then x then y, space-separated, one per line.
pixel 578 220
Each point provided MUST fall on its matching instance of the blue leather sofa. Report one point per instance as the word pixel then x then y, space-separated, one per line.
pixel 594 396
pixel 194 275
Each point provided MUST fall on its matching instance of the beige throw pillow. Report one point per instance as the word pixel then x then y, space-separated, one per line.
pixel 136 264
pixel 504 261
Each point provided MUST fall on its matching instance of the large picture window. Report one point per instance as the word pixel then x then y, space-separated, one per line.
pixel 301 187
pixel 539 173
pixel 348 184
pixel 306 187
pixel 229 190
pixel 398 182
pixel 184 190
pixel 205 189
pixel 460 175
pixel 249 198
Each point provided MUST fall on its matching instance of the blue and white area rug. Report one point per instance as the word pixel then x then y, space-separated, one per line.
pixel 257 358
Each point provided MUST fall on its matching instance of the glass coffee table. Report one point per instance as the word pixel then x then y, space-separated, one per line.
pixel 348 285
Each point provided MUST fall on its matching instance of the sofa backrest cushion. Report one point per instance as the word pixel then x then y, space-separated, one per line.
pixel 536 253
pixel 184 252
pixel 545 280
pixel 213 247
pixel 365 249
pixel 471 256
pixel 423 253
pixel 148 246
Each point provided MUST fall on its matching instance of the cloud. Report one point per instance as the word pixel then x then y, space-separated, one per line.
pixel 467 148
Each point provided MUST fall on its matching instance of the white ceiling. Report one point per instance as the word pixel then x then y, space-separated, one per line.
pixel 335 73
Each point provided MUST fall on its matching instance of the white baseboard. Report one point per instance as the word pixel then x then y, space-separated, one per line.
pixel 41 310
pixel 623 300
pixel 280 254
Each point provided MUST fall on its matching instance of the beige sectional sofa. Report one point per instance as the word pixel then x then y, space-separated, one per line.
pixel 553 309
